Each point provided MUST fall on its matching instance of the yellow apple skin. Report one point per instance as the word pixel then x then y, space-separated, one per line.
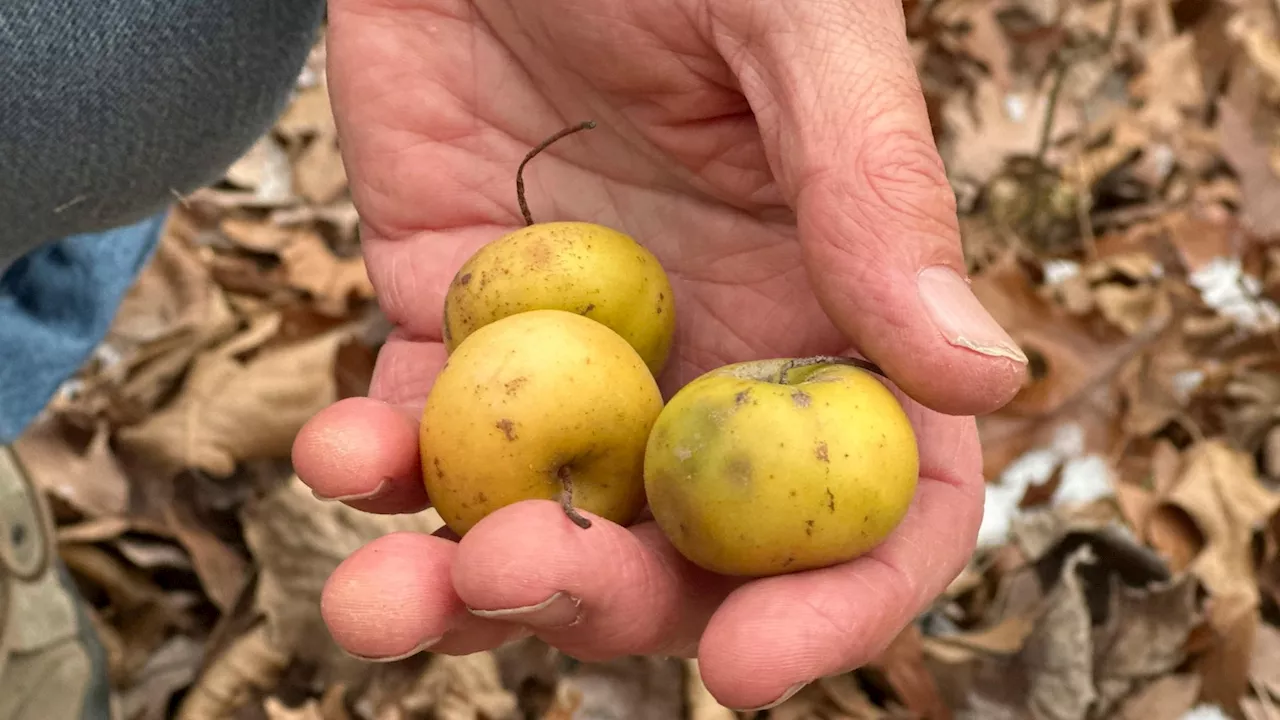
pixel 749 476
pixel 527 398
pixel 577 267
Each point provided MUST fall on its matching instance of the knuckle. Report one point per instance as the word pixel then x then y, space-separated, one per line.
pixel 901 181
pixel 837 623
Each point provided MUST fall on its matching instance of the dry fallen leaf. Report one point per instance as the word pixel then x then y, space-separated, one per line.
pixel 308 115
pixel 141 613
pixel 320 175
pixel 249 665
pixel 172 667
pixel 465 687
pixel 1219 489
pixel 1224 667
pixel 631 688
pixel 329 706
pixel 837 697
pixel 297 540
pixel 222 571
pixel 86 476
pixel 1004 638
pixel 333 282
pixel 1051 676
pixel 264 172
pixel 1133 261
pixel 1249 153
pixel 1264 661
pixel 1072 364
pixel 231 410
pixel 903 664
pixel 1144 636
pixel 1170 696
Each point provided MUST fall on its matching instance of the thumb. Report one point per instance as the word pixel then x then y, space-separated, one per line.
pixel 840 107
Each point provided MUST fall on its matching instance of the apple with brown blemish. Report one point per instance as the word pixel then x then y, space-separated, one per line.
pixel 775 466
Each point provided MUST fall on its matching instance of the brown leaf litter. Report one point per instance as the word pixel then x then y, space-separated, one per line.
pixel 1118 172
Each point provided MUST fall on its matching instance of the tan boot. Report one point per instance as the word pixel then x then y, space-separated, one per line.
pixel 52 666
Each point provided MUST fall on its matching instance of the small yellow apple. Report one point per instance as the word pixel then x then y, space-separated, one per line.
pixel 578 267
pixel 541 404
pixel 769 467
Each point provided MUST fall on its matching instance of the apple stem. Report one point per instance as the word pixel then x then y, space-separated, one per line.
pixel 524 206
pixel 826 359
pixel 566 497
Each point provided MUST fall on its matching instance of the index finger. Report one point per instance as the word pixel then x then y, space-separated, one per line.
pixel 364 451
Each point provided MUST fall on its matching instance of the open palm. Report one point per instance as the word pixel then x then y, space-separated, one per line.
pixel 777 159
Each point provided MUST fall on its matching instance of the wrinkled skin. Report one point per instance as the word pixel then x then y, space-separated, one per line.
pixel 776 156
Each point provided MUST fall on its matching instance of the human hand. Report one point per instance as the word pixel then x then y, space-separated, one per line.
pixel 777 158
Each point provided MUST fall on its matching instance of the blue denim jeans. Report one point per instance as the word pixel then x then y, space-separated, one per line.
pixel 107 109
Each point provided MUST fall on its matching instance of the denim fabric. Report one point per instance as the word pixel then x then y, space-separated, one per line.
pixel 56 303
pixel 108 108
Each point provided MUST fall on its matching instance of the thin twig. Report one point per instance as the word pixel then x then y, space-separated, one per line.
pixel 524 206
pixel 1064 58
pixel 566 497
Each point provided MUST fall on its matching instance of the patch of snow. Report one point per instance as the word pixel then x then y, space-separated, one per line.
pixel 107 354
pixel 1205 712
pixel 1057 271
pixel 1163 157
pixel 1226 288
pixel 1015 106
pixel 1085 478
pixel 1185 383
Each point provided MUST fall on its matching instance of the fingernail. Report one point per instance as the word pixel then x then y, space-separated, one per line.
pixel 960 317
pixel 382 486
pixel 424 645
pixel 787 695
pixel 559 610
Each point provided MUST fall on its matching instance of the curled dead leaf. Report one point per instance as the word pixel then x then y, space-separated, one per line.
pixel 85 475
pixel 1220 490
pixel 230 410
pixel 250 665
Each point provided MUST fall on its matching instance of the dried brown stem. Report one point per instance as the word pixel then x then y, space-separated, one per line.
pixel 1063 60
pixel 566 497
pixel 524 206
pixel 826 360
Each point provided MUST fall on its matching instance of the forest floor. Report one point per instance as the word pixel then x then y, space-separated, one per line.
pixel 1118 174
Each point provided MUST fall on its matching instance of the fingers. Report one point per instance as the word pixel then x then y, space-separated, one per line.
pixel 405 372
pixel 777 634
pixel 596 594
pixel 844 122
pixel 363 452
pixel 392 599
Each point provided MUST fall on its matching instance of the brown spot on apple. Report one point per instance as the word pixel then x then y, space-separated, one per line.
pixel 738 470
pixel 508 428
